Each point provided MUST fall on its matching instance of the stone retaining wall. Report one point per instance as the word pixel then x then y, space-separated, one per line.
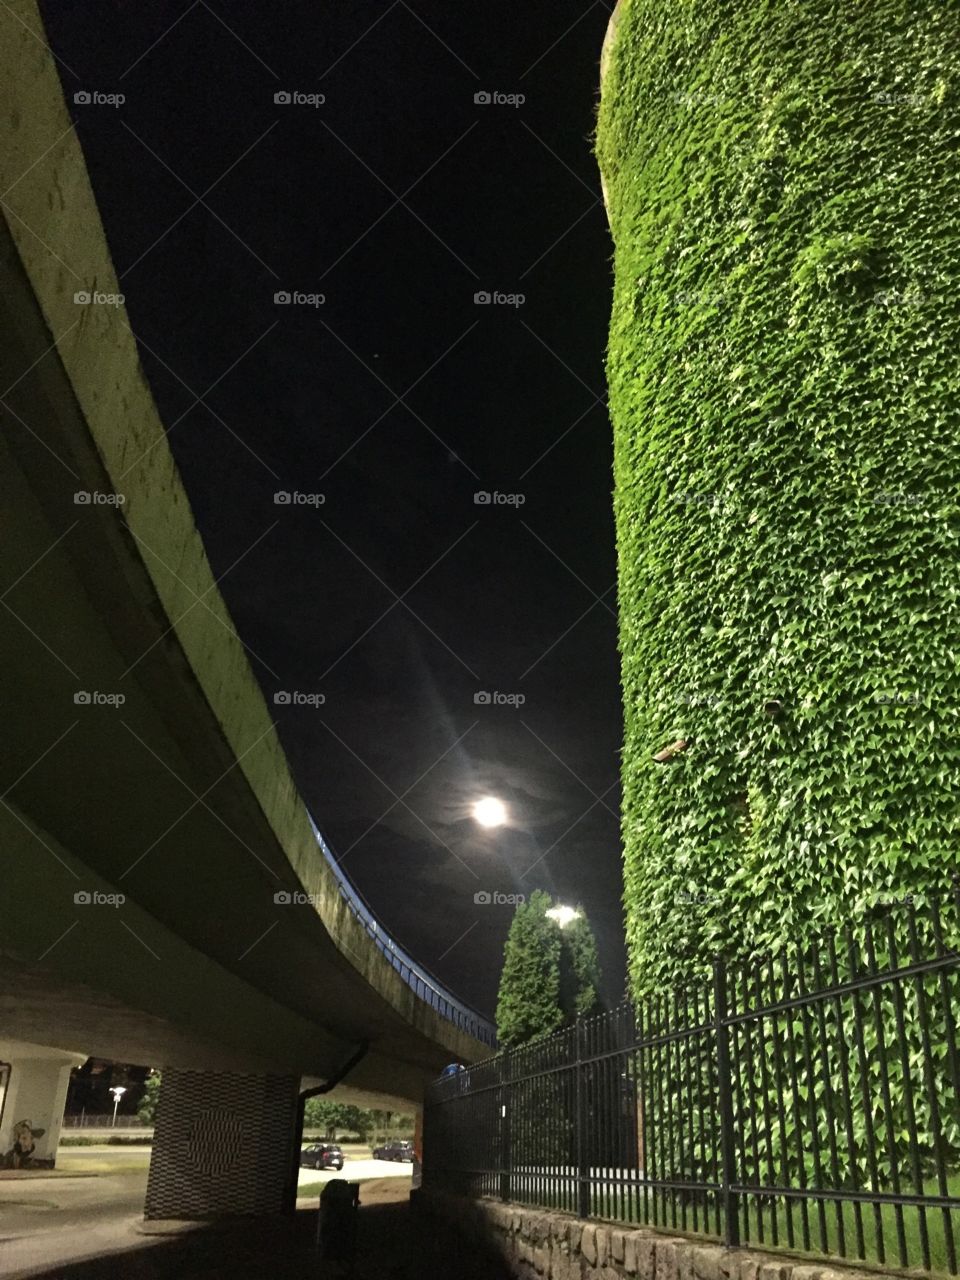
pixel 539 1245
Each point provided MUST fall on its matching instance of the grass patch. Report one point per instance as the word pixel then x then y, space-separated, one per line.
pixel 107 1140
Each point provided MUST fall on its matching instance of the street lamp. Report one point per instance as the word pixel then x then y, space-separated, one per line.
pixel 490 812
pixel 563 915
pixel 118 1091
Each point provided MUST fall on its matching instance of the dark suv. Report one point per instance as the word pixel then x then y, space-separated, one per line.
pixel 323 1155
pixel 394 1151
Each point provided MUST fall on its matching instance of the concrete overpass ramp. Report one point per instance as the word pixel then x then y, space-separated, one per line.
pixel 168 899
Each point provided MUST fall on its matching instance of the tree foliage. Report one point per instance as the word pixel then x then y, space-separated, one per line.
pixel 323 1113
pixel 579 970
pixel 550 974
pixel 147 1108
pixel 784 394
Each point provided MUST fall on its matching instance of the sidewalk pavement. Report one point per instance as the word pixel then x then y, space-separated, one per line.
pixel 391 1246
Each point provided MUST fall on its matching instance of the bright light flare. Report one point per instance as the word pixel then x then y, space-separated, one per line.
pixel 563 915
pixel 490 812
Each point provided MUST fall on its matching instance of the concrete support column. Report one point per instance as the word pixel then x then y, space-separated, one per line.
pixel 33 1093
pixel 222 1144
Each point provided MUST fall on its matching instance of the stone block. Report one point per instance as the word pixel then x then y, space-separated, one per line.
pixel 617 1244
pixel 559 1256
pixel 588 1244
pixel 630 1254
pixel 562 1266
pixel 644 1247
pixel 804 1272
pixel 773 1271
pixel 538 1227
pixel 730 1264
pixel 603 1245
pixel 707 1262
pixel 667 1260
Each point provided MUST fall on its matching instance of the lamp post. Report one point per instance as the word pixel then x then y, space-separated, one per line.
pixel 118 1091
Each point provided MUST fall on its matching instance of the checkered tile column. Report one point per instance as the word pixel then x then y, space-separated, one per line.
pixel 222 1145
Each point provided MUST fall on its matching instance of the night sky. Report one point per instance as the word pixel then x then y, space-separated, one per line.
pixel 398 598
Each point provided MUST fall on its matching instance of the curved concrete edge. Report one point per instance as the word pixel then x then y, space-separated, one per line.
pixel 56 227
pixel 606 62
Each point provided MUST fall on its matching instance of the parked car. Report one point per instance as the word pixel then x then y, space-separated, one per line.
pixel 394 1151
pixel 322 1155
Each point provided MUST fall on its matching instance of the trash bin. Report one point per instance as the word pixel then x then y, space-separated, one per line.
pixel 337 1226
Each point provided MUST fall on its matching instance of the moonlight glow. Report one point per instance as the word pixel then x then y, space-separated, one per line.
pixel 490 812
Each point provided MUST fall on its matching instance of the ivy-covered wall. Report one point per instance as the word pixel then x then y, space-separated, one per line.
pixel 784 194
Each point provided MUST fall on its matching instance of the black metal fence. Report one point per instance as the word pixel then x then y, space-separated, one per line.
pixel 808 1100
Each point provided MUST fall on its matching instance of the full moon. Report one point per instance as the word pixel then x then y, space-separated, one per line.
pixel 490 812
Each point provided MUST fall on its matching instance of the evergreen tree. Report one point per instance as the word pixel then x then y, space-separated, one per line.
pixel 580 969
pixel 551 975
pixel 528 1005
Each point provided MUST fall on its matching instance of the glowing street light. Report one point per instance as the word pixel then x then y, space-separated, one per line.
pixel 490 812
pixel 118 1091
pixel 563 915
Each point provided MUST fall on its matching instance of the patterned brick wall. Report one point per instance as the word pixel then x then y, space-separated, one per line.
pixel 223 1144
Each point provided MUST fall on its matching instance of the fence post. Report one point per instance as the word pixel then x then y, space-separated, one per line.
pixel 506 1120
pixel 731 1200
pixel 580 1125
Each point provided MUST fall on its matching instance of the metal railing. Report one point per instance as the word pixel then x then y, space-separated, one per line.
pixel 415 975
pixel 809 1100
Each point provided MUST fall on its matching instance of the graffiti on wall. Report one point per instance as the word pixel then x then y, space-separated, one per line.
pixel 23 1153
